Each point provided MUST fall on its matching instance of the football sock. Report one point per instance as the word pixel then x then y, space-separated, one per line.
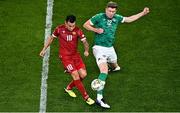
pixel 71 84
pixel 81 89
pixel 102 76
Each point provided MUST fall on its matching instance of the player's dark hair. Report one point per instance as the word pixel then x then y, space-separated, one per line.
pixel 112 4
pixel 70 18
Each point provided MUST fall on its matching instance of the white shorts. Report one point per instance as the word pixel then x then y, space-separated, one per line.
pixel 104 54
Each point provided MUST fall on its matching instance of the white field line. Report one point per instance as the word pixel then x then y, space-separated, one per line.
pixel 45 68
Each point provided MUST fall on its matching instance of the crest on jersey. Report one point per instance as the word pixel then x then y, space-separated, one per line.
pixel 109 22
pixel 63 31
pixel 74 33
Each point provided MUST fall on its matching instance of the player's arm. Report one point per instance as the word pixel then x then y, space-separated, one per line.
pixel 46 45
pixel 136 16
pixel 89 26
pixel 86 47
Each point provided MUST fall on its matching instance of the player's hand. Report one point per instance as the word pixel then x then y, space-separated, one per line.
pixel 146 11
pixel 99 30
pixel 42 53
pixel 86 53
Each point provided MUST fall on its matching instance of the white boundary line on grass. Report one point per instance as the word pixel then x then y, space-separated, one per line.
pixel 45 68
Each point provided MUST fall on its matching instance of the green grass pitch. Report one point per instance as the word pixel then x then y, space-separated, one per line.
pixel 148 52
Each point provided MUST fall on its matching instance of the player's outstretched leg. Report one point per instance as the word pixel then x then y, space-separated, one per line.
pixel 100 100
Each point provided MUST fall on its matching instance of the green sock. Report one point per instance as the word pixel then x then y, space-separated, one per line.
pixel 102 76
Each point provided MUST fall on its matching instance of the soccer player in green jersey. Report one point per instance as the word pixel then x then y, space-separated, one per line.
pixel 104 25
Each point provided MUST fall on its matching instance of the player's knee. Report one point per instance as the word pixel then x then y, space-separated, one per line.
pixel 103 68
pixel 83 74
pixel 75 75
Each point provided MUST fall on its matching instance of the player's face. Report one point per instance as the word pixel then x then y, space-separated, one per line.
pixel 70 26
pixel 110 12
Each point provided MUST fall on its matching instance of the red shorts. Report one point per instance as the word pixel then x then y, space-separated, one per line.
pixel 72 63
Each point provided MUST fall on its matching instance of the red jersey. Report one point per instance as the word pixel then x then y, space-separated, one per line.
pixel 68 40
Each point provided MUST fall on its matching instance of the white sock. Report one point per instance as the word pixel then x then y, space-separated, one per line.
pixel 99 96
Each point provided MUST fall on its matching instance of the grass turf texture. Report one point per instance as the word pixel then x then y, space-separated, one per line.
pixel 148 51
pixel 21 29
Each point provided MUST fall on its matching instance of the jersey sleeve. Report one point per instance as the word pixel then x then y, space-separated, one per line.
pixel 95 19
pixel 55 32
pixel 81 35
pixel 120 18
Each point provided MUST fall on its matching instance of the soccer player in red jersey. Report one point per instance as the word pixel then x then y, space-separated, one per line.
pixel 68 35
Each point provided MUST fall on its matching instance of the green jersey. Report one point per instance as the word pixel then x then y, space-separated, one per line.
pixel 109 26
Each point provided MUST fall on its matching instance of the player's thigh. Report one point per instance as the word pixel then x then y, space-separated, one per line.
pixel 112 57
pixel 100 54
pixel 82 73
pixel 68 63
pixel 79 64
pixel 75 75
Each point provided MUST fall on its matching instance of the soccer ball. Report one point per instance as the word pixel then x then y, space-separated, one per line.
pixel 97 84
